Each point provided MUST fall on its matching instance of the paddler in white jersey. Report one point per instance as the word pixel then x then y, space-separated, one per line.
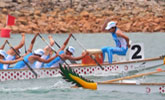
pixel 11 54
pixel 47 53
pixel 121 40
pixel 3 61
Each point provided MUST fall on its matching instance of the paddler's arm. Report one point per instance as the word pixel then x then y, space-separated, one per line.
pixel 3 46
pixel 32 43
pixel 76 58
pixel 121 34
pixel 51 40
pixel 105 24
pixel 21 44
pixel 44 60
pixel 47 49
pixel 65 43
pixel 11 62
pixel 11 51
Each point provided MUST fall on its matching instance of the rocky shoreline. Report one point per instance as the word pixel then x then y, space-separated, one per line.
pixel 83 16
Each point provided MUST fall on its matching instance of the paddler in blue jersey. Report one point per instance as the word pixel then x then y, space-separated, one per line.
pixel 21 64
pixel 32 58
pixel 121 40
pixel 65 55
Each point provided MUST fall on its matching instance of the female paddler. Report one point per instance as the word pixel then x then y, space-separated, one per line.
pixel 11 54
pixel 64 55
pixel 121 40
pixel 30 58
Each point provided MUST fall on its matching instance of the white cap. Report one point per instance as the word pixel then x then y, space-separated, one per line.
pixel 71 49
pixel 110 25
pixel 3 53
pixel 39 52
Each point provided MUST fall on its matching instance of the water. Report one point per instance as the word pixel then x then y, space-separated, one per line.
pixel 57 89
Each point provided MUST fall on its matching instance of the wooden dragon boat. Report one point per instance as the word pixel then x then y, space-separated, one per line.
pixel 83 69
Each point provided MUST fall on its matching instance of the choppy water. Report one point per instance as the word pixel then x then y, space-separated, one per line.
pixel 57 89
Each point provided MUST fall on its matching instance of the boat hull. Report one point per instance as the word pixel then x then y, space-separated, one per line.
pixel 109 69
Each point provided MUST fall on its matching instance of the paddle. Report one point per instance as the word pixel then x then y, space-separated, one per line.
pixel 72 61
pixel 89 54
pixel 25 48
pixel 52 48
pixel 23 60
pixel 132 76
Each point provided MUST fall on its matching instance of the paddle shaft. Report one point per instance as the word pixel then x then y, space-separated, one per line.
pixel 129 77
pixel 25 48
pixel 51 48
pixel 23 60
pixel 89 54
pixel 57 44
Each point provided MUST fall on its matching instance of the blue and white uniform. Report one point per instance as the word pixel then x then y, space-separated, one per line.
pixel 120 49
pixel 55 62
pixel 8 58
pixel 41 64
pixel 2 53
pixel 1 66
pixel 21 64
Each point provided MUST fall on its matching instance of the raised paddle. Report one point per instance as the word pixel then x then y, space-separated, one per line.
pixel 132 76
pixel 23 60
pixel 89 54
pixel 52 48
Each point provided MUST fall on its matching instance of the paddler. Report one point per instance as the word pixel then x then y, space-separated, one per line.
pixel 47 53
pixel 32 58
pixel 2 59
pixel 11 54
pixel 121 40
pixel 65 55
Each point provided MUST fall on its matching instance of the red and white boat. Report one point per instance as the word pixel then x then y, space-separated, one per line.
pixel 87 67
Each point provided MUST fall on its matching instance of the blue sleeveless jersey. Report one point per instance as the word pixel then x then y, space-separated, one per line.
pixel 21 64
pixel 54 60
pixel 1 66
pixel 114 36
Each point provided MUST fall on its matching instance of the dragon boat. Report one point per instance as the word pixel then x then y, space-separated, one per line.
pixel 86 67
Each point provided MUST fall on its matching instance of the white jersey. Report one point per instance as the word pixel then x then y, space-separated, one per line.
pixel 8 58
pixel 40 64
